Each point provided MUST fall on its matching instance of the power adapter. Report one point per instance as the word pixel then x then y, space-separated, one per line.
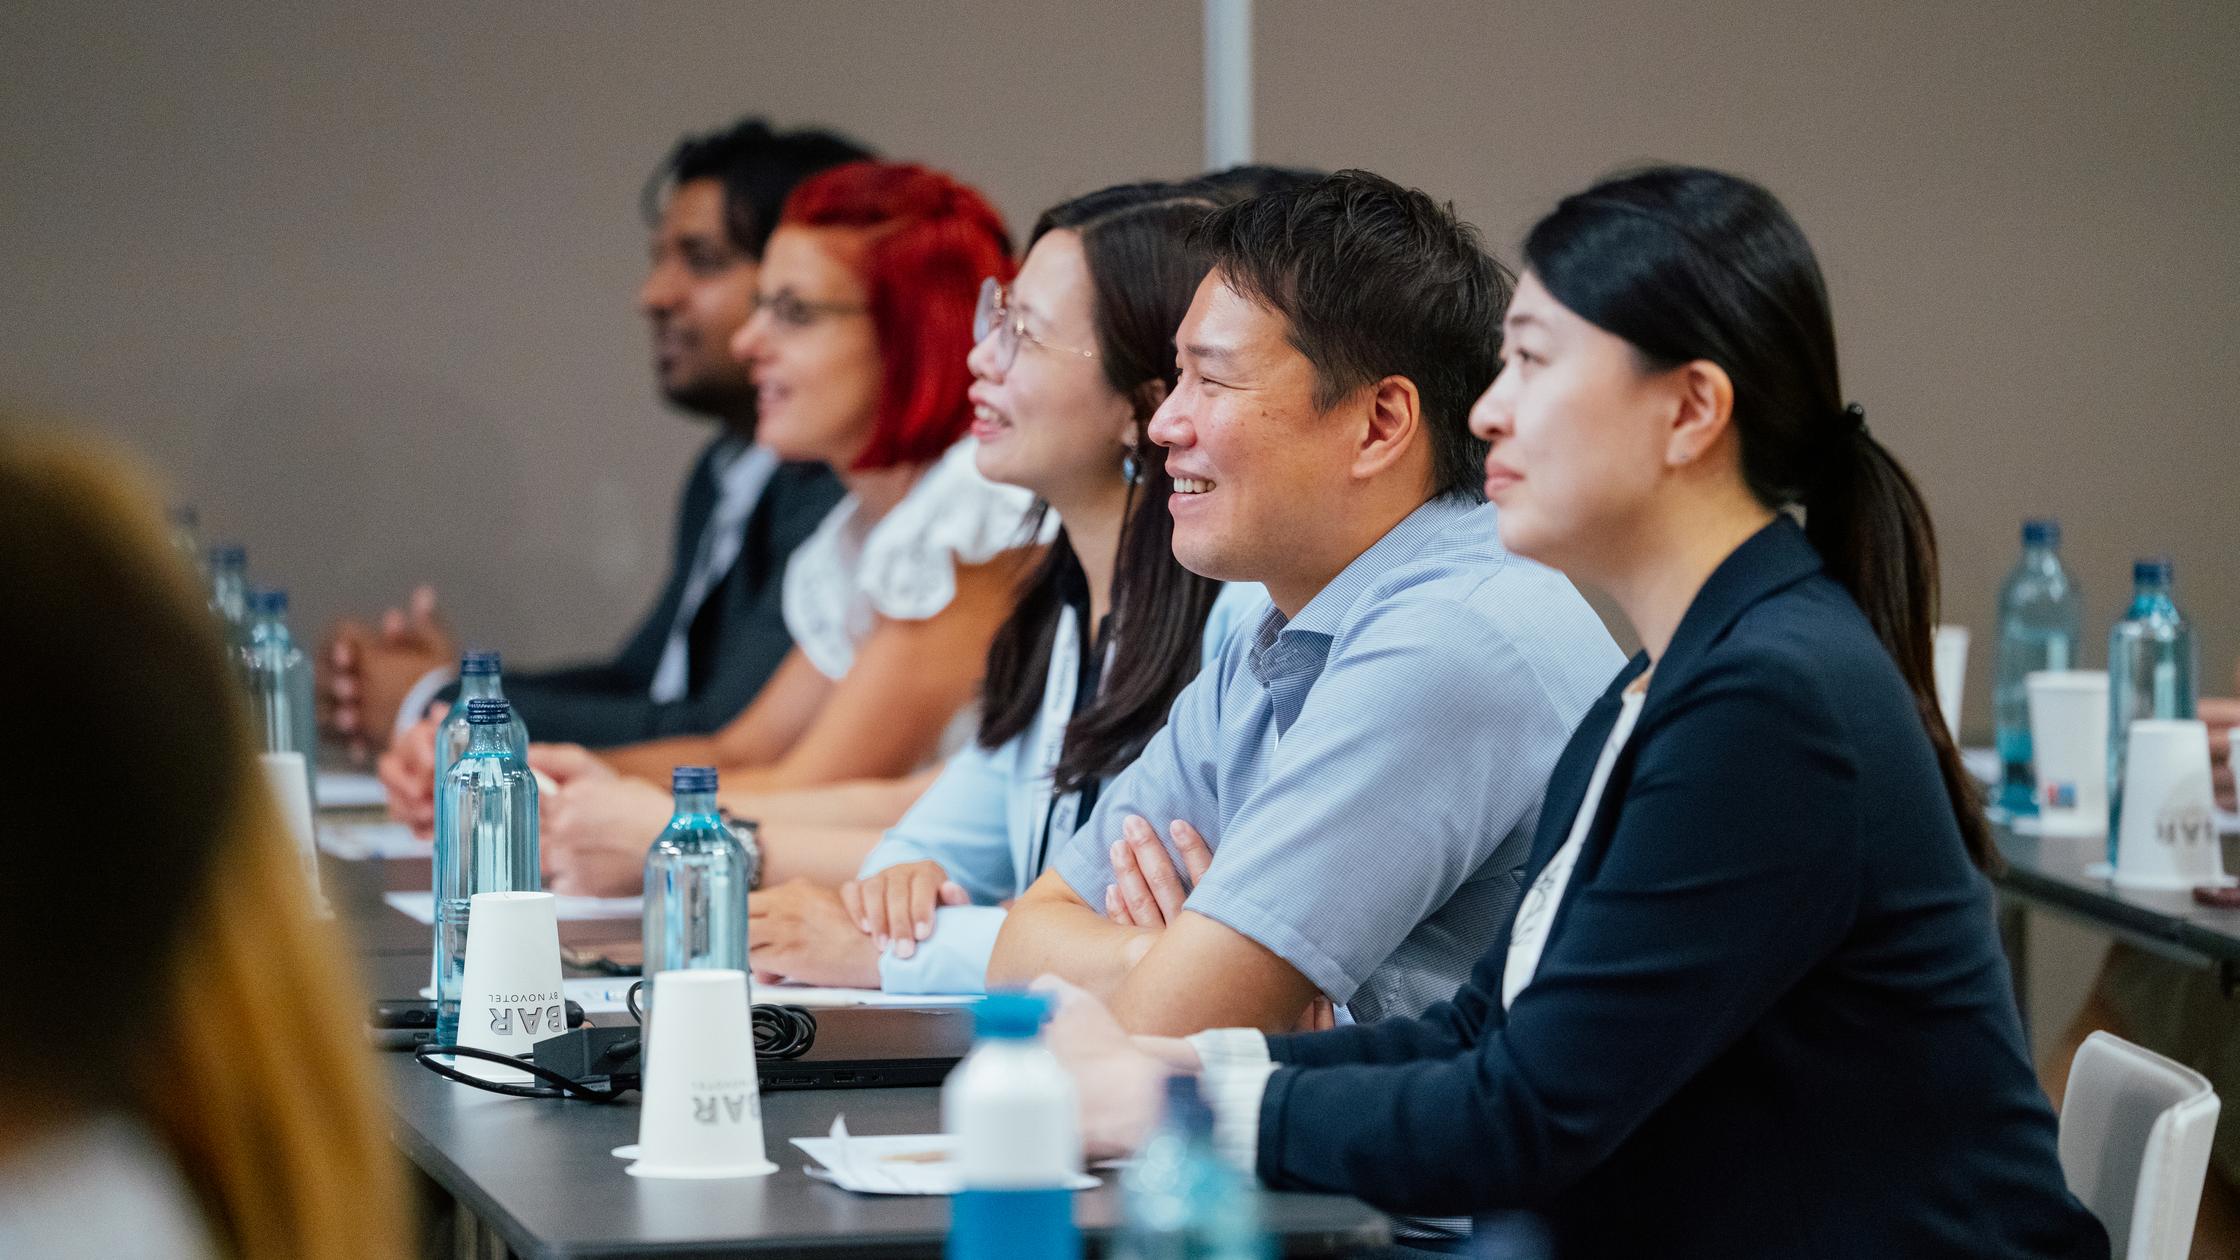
pixel 591 1052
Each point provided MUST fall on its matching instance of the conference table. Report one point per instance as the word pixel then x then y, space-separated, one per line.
pixel 2055 875
pixel 536 1177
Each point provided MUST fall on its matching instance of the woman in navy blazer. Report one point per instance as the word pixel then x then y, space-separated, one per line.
pixel 1754 1004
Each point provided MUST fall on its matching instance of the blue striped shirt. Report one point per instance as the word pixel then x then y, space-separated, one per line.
pixel 1368 773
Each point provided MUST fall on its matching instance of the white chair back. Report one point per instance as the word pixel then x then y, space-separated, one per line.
pixel 2135 1130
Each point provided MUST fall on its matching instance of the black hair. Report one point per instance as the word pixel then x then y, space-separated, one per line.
pixel 758 168
pixel 1376 280
pixel 1689 264
pixel 1238 183
pixel 1143 272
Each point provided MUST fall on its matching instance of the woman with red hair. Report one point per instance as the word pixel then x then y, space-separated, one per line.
pixel 863 318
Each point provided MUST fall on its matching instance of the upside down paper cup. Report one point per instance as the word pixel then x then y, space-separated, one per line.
pixel 701 1114
pixel 2167 836
pixel 510 997
pixel 1951 662
pixel 2069 744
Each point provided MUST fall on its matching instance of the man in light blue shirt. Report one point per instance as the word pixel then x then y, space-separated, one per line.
pixel 1367 766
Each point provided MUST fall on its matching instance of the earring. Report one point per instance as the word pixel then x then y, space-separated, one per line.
pixel 1130 470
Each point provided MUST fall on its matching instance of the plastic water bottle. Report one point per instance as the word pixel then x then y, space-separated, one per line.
pixel 486 841
pixel 697 876
pixel 279 678
pixel 1181 1200
pixel 2152 664
pixel 1012 1109
pixel 186 539
pixel 479 679
pixel 2041 626
pixel 229 597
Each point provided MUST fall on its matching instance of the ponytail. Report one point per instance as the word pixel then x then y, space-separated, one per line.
pixel 1869 523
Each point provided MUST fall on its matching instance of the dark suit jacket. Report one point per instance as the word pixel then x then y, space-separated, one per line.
pixel 738 637
pixel 1772 1017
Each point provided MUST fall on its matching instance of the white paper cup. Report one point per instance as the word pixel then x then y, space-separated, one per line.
pixel 2167 837
pixel 701 1113
pixel 1951 661
pixel 285 774
pixel 2069 744
pixel 510 997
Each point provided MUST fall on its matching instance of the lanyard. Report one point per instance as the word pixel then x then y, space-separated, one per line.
pixel 1059 691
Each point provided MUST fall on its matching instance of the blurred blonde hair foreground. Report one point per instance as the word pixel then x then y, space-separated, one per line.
pixel 151 885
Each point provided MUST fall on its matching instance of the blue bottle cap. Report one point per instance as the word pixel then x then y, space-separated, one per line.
pixel 229 554
pixel 479 663
pixel 482 712
pixel 2150 570
pixel 268 601
pixel 684 779
pixel 2043 531
pixel 1010 1016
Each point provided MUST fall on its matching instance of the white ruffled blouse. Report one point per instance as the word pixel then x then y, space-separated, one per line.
pixel 904 566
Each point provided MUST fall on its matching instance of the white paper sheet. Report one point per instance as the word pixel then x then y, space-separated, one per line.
pixel 896 1164
pixel 360 841
pixel 604 995
pixel 422 906
pixel 349 789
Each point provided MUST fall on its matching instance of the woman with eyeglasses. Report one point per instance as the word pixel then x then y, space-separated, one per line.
pixel 862 321
pixel 1072 360
pixel 1753 1003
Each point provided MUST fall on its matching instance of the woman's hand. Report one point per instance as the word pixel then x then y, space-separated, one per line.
pixel 798 931
pixel 1118 1080
pixel 596 828
pixel 407 771
pixel 896 904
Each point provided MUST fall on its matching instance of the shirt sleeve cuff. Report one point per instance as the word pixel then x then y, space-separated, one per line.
pixel 417 700
pixel 1236 1068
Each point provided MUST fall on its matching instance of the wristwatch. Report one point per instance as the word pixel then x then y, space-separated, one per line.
pixel 750 839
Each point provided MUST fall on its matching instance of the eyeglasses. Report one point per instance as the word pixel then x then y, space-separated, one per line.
pixel 791 310
pixel 995 318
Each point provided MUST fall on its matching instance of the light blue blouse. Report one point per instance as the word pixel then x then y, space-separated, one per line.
pixel 979 818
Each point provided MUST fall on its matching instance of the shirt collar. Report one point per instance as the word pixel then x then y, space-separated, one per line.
pixel 1323 614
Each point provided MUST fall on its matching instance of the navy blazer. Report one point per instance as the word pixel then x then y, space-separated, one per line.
pixel 738 637
pixel 1772 1017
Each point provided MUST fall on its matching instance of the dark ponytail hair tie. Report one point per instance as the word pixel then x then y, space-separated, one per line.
pixel 1855 419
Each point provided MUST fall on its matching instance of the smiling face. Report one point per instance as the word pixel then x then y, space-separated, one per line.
pixel 695 297
pixel 1261 473
pixel 1050 422
pixel 1581 429
pixel 811 348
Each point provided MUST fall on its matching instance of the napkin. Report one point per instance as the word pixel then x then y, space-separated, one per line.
pixel 898 1164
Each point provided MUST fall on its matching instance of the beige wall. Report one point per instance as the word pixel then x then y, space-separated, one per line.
pixel 362 281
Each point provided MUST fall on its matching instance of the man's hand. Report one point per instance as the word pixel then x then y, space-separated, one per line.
pixel 567 764
pixel 1117 1080
pixel 1147 891
pixel 799 931
pixel 896 904
pixel 2222 716
pixel 408 774
pixel 595 832
pixel 368 673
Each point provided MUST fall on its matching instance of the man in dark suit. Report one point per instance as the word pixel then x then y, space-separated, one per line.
pixel 714 635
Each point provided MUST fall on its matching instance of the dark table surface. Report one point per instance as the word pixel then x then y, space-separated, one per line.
pixel 2051 872
pixel 541 1172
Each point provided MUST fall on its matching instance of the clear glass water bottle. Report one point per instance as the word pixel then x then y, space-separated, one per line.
pixel 229 596
pixel 1181 1200
pixel 2041 626
pixel 486 841
pixel 697 876
pixel 479 679
pixel 2152 665
pixel 1012 1108
pixel 279 678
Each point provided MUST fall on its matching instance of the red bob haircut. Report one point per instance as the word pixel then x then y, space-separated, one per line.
pixel 929 242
